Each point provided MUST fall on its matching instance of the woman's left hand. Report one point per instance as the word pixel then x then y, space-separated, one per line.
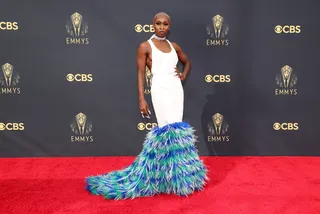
pixel 179 74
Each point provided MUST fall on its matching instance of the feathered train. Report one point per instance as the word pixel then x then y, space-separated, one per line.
pixel 168 163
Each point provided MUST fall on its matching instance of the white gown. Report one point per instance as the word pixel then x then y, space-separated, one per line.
pixel 168 162
pixel 166 90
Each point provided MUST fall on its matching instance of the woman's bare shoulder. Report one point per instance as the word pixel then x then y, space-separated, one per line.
pixel 176 46
pixel 144 46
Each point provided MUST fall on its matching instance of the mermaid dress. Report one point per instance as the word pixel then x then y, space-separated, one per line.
pixel 169 162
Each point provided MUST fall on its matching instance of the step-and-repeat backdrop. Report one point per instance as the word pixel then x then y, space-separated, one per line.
pixel 68 76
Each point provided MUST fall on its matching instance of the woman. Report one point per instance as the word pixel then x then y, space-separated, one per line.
pixel 168 162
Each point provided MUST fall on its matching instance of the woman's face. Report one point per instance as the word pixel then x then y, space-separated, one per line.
pixel 161 25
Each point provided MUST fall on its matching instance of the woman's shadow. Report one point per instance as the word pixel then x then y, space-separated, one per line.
pixel 221 132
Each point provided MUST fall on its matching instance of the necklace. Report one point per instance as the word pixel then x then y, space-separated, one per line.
pixel 157 37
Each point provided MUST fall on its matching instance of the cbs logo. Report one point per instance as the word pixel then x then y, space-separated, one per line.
pixel 218 78
pixel 287 29
pixel 11 126
pixel 145 28
pixel 79 77
pixel 147 126
pixel 285 126
pixel 9 25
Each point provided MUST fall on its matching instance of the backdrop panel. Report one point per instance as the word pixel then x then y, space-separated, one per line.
pixel 68 78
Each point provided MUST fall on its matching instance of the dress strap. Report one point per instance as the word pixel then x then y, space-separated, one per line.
pixel 170 45
pixel 153 47
pixel 150 42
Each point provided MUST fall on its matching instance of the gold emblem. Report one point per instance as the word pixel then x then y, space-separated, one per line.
pixel 76 27
pixel 287 79
pixel 81 126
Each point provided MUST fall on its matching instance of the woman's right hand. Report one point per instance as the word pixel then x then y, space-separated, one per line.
pixel 144 109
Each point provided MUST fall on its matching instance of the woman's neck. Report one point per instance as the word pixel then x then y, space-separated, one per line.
pixel 154 36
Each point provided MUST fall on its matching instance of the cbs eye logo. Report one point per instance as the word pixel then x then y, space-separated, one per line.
pixel 146 126
pixel 11 126
pixel 287 29
pixel 217 78
pixel 144 28
pixel 9 25
pixel 79 77
pixel 286 126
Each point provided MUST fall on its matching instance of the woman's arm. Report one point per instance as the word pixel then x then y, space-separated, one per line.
pixel 141 66
pixel 183 58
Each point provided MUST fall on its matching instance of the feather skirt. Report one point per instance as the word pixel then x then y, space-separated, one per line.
pixel 168 163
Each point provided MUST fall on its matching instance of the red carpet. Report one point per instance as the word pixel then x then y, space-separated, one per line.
pixel 267 185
